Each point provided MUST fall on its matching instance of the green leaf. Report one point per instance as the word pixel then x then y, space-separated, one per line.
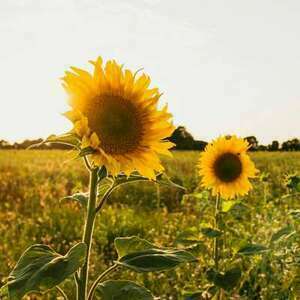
pixel 252 249
pixel 225 281
pixel 141 256
pixel 282 233
pixel 123 290
pixel 135 177
pixel 153 260
pixel 210 232
pixel 40 268
pixel 102 173
pixel 86 151
pixel 70 139
pixel 82 198
pixel 228 204
pixel 128 245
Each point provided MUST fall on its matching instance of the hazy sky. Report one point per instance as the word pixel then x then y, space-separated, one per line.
pixel 230 66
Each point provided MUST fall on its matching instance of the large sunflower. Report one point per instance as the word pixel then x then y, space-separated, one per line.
pixel 225 167
pixel 115 112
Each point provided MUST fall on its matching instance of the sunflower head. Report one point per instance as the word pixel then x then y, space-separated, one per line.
pixel 116 113
pixel 225 167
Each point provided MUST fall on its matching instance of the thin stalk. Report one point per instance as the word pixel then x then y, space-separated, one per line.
pixel 60 290
pixel 217 225
pixel 217 239
pixel 87 235
pixel 98 280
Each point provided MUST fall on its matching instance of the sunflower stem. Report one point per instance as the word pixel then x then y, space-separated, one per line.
pixel 87 235
pixel 216 254
pixel 216 242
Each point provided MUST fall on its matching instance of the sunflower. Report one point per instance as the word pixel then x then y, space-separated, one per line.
pixel 115 113
pixel 225 167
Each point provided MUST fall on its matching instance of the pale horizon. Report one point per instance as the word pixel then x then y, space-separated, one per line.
pixel 225 67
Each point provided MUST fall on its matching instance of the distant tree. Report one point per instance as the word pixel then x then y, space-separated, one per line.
pixel 274 146
pixel 262 148
pixel 5 144
pixel 295 143
pixel 253 142
pixel 185 141
pixel 199 145
pixel 182 139
pixel 291 145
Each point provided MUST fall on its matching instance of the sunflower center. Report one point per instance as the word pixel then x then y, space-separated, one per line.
pixel 228 167
pixel 117 123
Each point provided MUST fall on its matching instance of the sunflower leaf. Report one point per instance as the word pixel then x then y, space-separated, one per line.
pixel 123 290
pixel 40 269
pixel 69 139
pixel 161 179
pixel 141 256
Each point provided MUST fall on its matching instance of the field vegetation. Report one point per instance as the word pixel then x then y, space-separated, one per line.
pixel 33 183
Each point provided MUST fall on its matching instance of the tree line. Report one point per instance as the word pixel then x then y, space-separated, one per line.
pixel 180 137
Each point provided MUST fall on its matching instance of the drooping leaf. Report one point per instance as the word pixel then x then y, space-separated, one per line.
pixel 86 151
pixel 81 198
pixel 283 232
pixel 70 139
pixel 40 268
pixel 122 179
pixel 252 249
pixel 210 232
pixel 141 256
pixel 227 280
pixel 123 290
pixel 135 177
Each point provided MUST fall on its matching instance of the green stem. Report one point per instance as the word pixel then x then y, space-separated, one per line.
pixel 87 235
pixel 217 225
pixel 217 239
pixel 98 280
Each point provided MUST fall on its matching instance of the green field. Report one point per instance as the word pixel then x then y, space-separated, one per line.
pixel 32 184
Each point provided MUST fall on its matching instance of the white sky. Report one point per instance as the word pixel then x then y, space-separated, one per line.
pixel 230 66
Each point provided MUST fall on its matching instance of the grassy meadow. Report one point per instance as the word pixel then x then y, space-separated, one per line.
pixel 32 184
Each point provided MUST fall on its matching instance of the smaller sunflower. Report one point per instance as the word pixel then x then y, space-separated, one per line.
pixel 225 167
